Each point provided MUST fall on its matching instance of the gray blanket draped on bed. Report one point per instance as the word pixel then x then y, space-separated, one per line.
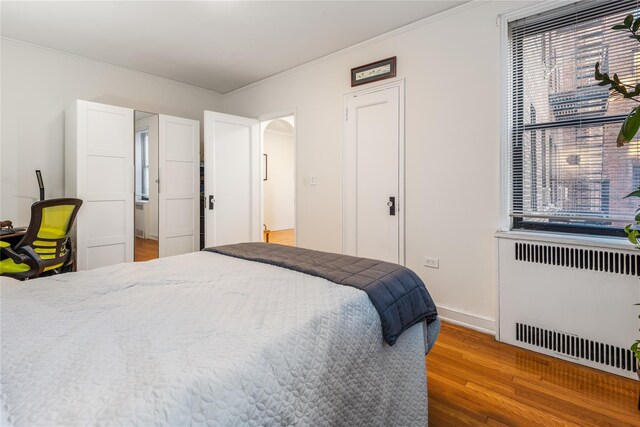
pixel 398 294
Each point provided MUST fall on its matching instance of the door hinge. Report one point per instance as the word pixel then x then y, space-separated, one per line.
pixel 346 112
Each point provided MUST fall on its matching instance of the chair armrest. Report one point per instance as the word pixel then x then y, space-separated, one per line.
pixel 16 257
pixel 28 256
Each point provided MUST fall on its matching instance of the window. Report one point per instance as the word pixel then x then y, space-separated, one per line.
pixel 566 172
pixel 142 164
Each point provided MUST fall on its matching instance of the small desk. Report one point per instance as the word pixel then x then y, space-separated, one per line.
pixel 14 237
pixel 15 233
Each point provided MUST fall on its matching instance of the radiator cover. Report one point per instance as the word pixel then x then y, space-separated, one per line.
pixel 571 301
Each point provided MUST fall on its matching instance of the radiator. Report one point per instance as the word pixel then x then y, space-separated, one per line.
pixel 571 301
pixel 139 220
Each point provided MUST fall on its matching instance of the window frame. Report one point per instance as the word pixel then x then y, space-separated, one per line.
pixel 511 140
pixel 143 163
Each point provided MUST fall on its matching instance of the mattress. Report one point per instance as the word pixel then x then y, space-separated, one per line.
pixel 203 339
pixel 398 294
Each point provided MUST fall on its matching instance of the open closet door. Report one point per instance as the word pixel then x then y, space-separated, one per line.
pixel 99 170
pixel 178 187
pixel 232 179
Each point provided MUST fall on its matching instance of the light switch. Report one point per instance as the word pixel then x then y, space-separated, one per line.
pixel 314 180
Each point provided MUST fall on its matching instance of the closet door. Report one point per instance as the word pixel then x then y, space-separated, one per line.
pixel 99 170
pixel 178 189
pixel 232 179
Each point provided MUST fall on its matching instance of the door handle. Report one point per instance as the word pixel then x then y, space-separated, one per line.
pixel 392 206
pixel 211 201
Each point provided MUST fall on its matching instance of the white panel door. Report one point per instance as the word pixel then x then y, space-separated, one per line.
pixel 179 185
pixel 372 219
pixel 104 155
pixel 232 179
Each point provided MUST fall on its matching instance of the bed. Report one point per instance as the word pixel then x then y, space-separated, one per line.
pixel 204 339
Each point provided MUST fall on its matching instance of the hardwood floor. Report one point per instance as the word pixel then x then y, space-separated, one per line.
pixel 474 380
pixel 145 249
pixel 283 237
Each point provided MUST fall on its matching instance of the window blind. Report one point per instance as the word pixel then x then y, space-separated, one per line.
pixel 566 172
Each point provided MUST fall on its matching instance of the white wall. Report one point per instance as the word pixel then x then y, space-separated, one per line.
pixel 279 187
pixel 38 84
pixel 451 67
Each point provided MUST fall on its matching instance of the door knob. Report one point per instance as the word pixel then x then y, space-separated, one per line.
pixel 392 206
pixel 211 202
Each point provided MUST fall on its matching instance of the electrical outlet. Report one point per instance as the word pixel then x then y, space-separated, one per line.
pixel 431 262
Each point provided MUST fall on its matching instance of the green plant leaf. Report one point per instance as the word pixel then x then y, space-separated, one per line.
pixel 635 193
pixel 628 131
pixel 598 73
pixel 630 235
pixel 629 128
pixel 634 92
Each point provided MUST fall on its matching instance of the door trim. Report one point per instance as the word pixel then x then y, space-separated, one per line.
pixel 348 178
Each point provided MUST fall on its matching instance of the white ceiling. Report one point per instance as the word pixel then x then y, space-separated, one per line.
pixel 218 45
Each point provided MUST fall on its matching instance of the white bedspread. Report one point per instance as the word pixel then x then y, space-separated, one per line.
pixel 202 339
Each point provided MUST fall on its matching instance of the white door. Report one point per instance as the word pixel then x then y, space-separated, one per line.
pixel 232 179
pixel 99 170
pixel 372 170
pixel 178 187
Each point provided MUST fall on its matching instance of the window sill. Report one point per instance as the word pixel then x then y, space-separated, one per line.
pixel 567 239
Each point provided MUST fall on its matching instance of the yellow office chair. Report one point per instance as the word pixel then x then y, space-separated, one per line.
pixel 46 245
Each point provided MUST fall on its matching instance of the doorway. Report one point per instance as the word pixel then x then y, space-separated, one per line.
pixel 146 186
pixel 278 180
pixel 167 188
pixel 373 173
